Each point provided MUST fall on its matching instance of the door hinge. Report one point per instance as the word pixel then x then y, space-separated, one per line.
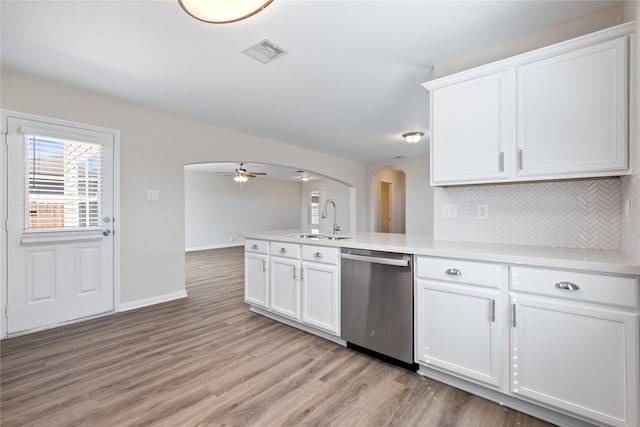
pixel 6 311
pixel 6 225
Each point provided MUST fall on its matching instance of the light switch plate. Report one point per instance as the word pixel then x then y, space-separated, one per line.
pixel 153 195
pixel 449 211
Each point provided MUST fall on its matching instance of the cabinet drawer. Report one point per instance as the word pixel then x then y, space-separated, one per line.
pixel 287 250
pixel 455 270
pixel 320 254
pixel 578 286
pixel 256 246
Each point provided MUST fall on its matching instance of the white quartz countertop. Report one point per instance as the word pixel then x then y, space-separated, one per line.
pixel 602 261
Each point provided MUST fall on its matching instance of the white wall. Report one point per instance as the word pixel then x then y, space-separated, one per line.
pixel 155 146
pixel 218 209
pixel 565 31
pixel 418 194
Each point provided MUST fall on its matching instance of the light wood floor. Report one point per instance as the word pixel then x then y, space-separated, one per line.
pixel 206 360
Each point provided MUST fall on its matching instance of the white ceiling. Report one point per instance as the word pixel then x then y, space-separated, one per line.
pixel 348 86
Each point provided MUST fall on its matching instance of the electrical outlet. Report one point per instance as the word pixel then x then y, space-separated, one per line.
pixel 627 211
pixel 482 212
pixel 153 195
pixel 450 211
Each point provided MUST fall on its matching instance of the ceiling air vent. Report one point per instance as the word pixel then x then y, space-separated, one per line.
pixel 265 51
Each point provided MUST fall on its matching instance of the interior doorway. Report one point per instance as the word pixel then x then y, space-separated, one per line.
pixel 386 196
pixel 389 200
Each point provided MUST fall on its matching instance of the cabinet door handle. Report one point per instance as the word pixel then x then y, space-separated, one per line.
pixel 302 274
pixel 501 161
pixel 264 266
pixel 283 250
pixel 453 272
pixel 567 286
pixel 513 314
pixel 493 311
pixel 294 272
pixel 520 159
pixel 254 247
pixel 318 255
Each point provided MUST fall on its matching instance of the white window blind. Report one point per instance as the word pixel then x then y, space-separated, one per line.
pixel 62 184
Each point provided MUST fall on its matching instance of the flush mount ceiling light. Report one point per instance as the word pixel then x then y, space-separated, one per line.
pixel 412 137
pixel 223 11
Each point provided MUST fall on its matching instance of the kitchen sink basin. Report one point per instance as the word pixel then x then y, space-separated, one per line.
pixel 319 236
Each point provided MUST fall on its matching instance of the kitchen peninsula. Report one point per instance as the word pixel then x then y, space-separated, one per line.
pixel 549 331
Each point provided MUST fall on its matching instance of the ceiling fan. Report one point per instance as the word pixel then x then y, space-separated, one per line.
pixel 242 175
pixel 243 172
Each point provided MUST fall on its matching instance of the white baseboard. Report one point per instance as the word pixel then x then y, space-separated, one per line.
pixel 204 248
pixel 132 305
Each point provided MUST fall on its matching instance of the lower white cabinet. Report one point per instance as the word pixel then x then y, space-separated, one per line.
pixel 321 296
pixel 298 282
pixel 284 283
pixel 457 330
pixel 256 284
pixel 576 358
pixel 571 352
pixel 562 340
pixel 256 273
pixel 459 323
pixel 284 287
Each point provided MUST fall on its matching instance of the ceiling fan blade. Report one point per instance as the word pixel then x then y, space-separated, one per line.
pixel 257 173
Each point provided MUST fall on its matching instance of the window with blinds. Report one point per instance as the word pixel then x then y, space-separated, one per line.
pixel 62 184
pixel 314 207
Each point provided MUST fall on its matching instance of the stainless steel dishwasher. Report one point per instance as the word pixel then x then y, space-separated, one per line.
pixel 377 303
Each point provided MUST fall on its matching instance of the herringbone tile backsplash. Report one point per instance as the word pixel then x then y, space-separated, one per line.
pixel 573 214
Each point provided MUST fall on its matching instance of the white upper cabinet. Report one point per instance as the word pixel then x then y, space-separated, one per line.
pixel 572 112
pixel 558 112
pixel 470 125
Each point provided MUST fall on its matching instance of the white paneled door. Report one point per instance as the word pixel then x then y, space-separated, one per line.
pixel 60 215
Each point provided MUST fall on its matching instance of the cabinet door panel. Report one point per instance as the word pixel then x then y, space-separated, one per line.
pixel 284 292
pixel 470 130
pixel 576 358
pixel 457 330
pixel 256 279
pixel 571 114
pixel 320 297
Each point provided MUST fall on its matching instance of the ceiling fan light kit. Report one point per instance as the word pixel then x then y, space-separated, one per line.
pixel 223 11
pixel 242 175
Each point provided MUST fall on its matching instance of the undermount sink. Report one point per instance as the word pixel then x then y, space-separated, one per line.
pixel 319 236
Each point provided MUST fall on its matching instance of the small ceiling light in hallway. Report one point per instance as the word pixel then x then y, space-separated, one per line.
pixel 223 11
pixel 412 137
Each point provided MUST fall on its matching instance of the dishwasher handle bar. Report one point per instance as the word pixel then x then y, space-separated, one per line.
pixel 403 262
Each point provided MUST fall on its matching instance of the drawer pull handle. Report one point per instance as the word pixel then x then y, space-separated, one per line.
pixel 318 255
pixel 283 250
pixel 453 272
pixel 567 286
pixel 254 247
